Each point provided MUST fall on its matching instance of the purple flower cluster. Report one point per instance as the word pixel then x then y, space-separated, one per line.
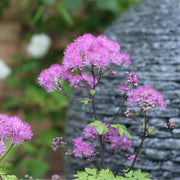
pixel 132 81
pixel 112 137
pixel 99 52
pixel 146 98
pixel 86 51
pixel 90 133
pixel 58 142
pixel 116 141
pixel 128 112
pixel 51 77
pixel 14 129
pixel 83 148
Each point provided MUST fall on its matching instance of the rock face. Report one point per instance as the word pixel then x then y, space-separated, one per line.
pixel 150 33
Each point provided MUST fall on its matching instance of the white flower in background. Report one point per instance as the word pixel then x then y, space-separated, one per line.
pixel 4 70
pixel 39 45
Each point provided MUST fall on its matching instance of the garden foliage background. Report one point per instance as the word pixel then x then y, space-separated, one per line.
pixel 62 21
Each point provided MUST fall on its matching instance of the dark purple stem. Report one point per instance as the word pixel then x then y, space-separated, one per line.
pixel 100 136
pixel 95 117
pixel 7 151
pixel 141 144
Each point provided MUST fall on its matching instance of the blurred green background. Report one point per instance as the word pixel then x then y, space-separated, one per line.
pixel 62 21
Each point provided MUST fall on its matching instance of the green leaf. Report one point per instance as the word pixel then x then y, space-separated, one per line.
pixel 91 171
pixel 108 5
pixel 137 173
pixel 151 131
pixel 99 127
pixel 85 102
pixel 137 113
pixel 93 91
pixel 140 175
pixel 129 174
pixel 62 8
pixel 38 14
pixel 94 123
pixel 11 177
pixel 81 175
pixel 122 130
pixel 92 178
pixel 73 4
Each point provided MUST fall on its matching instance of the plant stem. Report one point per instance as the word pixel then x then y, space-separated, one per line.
pixel 102 152
pixel 95 117
pixel 141 144
pixel 7 151
pixel 69 160
pixel 116 115
pixel 99 136
pixel 112 157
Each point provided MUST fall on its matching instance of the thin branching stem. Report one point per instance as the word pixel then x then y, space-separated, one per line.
pixel 120 107
pixel 95 117
pixel 141 144
pixel 69 160
pixel 7 151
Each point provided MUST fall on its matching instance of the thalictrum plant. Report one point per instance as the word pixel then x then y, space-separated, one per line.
pixel 85 62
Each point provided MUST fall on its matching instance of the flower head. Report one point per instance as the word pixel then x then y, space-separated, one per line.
pixel 98 52
pixel 116 141
pixel 18 131
pixel 123 88
pixel 81 148
pixel 131 158
pixel 171 124
pixel 133 79
pixel 146 98
pixel 14 129
pixel 90 132
pixel 50 77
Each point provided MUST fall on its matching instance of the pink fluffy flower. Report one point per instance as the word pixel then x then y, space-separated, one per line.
pixel 133 79
pixel 90 133
pixel 15 129
pixel 146 98
pixel 50 77
pixel 116 141
pixel 81 148
pixel 123 88
pixel 98 52
pixel 88 79
pixel 82 80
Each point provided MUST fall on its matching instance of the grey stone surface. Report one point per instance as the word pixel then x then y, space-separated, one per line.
pixel 150 33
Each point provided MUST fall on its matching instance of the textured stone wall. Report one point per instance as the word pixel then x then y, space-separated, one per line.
pixel 150 33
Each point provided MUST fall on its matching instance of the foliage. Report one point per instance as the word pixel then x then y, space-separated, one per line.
pixel 135 175
pixel 60 16
pixel 122 130
pixel 94 174
pixel 4 175
pixel 100 128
